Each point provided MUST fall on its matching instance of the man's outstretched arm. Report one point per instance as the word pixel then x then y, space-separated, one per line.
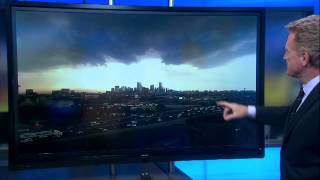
pixel 267 115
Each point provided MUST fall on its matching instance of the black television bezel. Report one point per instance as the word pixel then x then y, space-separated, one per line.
pixel 3 66
pixel 57 160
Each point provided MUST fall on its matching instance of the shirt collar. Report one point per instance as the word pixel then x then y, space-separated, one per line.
pixel 307 88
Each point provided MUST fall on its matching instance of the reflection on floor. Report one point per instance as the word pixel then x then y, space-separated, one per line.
pixel 266 168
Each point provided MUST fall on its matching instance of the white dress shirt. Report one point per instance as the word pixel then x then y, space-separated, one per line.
pixel 307 88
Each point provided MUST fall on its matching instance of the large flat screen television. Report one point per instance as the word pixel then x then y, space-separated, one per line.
pixel 96 84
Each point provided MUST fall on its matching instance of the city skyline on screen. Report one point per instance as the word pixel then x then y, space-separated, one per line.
pixel 98 51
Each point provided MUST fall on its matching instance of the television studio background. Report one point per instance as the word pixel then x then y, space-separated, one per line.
pixel 276 88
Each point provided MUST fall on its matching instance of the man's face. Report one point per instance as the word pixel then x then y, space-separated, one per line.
pixel 293 57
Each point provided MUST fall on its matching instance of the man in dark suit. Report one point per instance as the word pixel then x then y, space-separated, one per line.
pixel 300 152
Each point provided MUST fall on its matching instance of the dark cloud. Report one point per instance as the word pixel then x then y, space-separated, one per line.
pixel 50 40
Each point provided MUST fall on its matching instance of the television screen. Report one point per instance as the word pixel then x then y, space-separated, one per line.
pixel 131 84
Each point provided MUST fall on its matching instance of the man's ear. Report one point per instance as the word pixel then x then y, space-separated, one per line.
pixel 306 58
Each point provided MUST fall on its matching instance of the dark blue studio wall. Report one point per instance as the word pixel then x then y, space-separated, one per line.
pixel 278 14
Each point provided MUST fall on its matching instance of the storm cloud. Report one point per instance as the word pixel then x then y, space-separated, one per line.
pixel 48 40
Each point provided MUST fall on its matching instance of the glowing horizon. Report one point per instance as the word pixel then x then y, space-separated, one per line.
pixel 147 71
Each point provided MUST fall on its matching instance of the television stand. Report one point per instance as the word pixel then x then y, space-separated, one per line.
pixel 146 171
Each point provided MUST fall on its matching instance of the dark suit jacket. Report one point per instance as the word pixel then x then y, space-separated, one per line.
pixel 300 152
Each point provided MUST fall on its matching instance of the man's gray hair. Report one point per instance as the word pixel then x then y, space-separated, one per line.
pixel 307 31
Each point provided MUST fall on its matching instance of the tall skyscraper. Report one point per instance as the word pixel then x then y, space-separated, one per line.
pixel 161 87
pixel 139 86
pixel 116 88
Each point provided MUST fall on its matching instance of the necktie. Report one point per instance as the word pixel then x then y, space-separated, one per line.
pixel 297 102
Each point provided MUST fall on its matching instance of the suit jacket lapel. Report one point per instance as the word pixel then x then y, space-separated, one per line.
pixel 296 116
